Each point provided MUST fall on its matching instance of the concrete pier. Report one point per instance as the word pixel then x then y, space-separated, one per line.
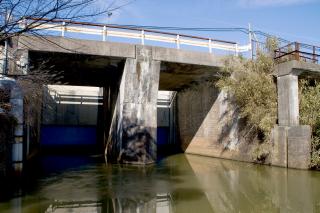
pixel 291 141
pixel 133 134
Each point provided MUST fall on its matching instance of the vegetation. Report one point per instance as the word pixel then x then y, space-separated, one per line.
pixel 310 115
pixel 252 85
pixel 13 13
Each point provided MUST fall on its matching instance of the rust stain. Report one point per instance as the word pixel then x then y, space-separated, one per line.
pixel 138 70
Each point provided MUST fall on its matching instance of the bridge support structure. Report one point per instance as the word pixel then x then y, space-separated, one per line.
pixel 133 129
pixel 16 154
pixel 291 141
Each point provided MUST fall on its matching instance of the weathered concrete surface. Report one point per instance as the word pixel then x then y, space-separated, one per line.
pixel 297 68
pixel 299 147
pixel 132 137
pixel 279 155
pixel 288 100
pixel 291 147
pixel 292 142
pixel 113 49
pixel 77 46
pixel 176 76
pixel 186 57
pixel 209 125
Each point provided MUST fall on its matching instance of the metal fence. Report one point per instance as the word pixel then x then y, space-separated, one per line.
pixel 298 51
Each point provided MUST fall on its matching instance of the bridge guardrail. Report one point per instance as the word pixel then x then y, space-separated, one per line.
pixel 298 51
pixel 143 35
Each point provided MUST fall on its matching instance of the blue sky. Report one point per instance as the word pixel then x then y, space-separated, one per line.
pixel 295 20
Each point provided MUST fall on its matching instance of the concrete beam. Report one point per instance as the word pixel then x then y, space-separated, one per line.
pixel 186 57
pixel 297 68
pixel 113 49
pixel 76 46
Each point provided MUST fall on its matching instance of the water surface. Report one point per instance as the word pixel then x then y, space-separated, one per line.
pixel 179 183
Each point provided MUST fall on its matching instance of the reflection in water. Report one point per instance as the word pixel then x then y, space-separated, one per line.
pixel 181 183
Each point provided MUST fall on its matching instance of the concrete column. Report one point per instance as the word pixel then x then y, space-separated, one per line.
pixel 16 101
pixel 133 130
pixel 288 100
pixel 291 141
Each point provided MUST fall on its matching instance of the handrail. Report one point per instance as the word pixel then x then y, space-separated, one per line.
pixel 132 33
pixel 298 51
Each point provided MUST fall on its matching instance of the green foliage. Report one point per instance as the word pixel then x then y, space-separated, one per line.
pixel 272 44
pixel 261 152
pixel 254 91
pixel 310 115
pixel 315 152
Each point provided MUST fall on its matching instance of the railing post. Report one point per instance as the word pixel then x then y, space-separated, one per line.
pixel 314 57
pixel 210 46
pixel 63 29
pixel 104 33
pixel 236 49
pixel 178 41
pixel 296 51
pixel 142 37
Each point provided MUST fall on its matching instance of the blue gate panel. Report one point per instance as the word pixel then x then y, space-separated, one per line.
pixel 162 136
pixel 68 135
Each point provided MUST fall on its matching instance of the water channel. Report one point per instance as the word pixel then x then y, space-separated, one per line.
pixel 179 183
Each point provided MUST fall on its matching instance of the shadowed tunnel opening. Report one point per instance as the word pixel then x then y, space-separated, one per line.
pixel 194 100
pixel 80 119
pixel 78 99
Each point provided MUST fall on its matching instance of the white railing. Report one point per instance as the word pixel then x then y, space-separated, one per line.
pixel 143 35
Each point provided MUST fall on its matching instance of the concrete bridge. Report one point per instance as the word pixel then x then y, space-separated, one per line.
pixel 131 76
pixel 204 122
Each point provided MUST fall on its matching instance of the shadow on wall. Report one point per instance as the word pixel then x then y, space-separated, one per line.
pixel 131 143
pixel 209 124
pixel 193 107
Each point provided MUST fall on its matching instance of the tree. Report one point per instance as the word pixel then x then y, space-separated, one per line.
pixel 14 12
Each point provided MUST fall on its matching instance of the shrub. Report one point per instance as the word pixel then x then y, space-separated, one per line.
pixel 253 89
pixel 310 115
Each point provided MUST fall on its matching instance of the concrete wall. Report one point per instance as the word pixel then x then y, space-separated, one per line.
pixel 209 125
pixel 70 111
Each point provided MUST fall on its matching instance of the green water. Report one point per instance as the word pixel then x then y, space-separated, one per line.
pixel 180 183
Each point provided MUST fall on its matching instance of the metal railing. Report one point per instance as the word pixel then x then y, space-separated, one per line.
pixel 143 35
pixel 75 99
pixel 299 52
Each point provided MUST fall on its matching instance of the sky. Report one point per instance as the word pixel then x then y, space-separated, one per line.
pixel 294 20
